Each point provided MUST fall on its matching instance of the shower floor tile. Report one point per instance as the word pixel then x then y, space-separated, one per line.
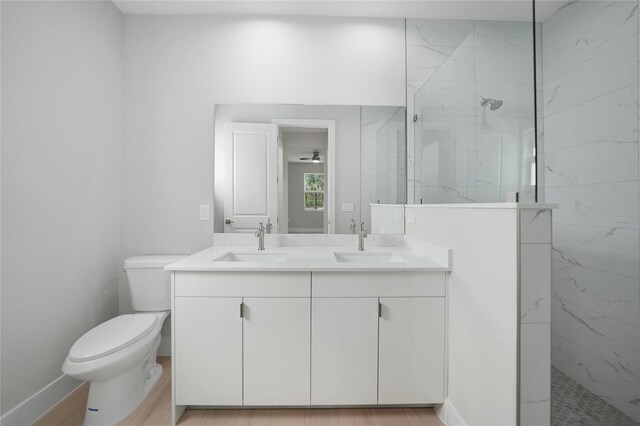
pixel 573 404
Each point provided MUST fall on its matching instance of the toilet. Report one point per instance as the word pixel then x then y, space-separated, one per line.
pixel 118 357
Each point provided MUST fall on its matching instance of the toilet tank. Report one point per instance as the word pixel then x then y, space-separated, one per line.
pixel 149 283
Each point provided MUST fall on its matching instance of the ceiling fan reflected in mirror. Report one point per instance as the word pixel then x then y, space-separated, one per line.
pixel 314 159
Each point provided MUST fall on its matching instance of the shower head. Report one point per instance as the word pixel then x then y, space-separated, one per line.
pixel 494 103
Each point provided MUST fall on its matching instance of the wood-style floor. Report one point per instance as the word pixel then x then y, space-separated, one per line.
pixel 156 411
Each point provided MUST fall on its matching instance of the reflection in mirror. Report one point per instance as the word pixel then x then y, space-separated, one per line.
pixel 301 168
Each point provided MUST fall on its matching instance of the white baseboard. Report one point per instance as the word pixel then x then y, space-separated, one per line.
pixel 39 403
pixel 449 415
pixel 165 346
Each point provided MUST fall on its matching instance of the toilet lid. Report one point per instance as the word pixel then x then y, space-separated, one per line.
pixel 111 336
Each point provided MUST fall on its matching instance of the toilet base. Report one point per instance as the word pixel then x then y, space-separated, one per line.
pixel 111 401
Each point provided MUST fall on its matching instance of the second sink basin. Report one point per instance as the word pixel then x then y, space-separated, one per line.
pixel 252 257
pixel 366 257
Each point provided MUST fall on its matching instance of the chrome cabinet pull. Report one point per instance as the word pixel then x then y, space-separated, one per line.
pixel 379 310
pixel 241 310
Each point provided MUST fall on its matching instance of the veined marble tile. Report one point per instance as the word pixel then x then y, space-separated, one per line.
pixel 517 99
pixel 504 34
pixel 535 362
pixel 442 195
pixel 613 114
pixel 612 250
pixel 612 159
pixel 438 32
pixel 535 283
pixel 424 61
pixel 606 379
pixel 505 65
pixel 448 98
pixel 504 134
pixel 605 337
pixel 593 78
pixel 590 37
pixel 599 204
pixel 448 169
pixel 570 16
pixel 501 169
pixel 607 294
pixel 535 227
pixel 446 133
pixel 459 66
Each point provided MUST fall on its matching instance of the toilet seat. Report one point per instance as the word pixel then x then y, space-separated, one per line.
pixel 112 336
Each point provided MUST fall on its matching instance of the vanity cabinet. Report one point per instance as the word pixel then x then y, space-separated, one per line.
pixel 242 338
pixel 276 344
pixel 378 337
pixel 208 350
pixel 411 350
pixel 302 338
pixel 344 358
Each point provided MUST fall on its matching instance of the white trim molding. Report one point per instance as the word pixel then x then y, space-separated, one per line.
pixel 41 402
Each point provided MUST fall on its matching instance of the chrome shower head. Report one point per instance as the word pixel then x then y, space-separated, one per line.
pixel 494 103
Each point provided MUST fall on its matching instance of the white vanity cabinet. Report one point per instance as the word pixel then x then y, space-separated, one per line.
pixel 208 350
pixel 344 358
pixel 378 337
pixel 242 338
pixel 308 338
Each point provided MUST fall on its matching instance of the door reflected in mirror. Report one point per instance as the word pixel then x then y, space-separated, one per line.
pixel 304 168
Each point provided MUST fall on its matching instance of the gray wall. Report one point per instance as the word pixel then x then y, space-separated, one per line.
pixel 299 218
pixel 61 183
pixel 590 71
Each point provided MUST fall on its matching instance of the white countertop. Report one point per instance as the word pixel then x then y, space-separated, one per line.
pixel 316 259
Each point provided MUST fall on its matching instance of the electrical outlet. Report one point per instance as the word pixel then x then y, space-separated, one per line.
pixel 204 212
pixel 347 207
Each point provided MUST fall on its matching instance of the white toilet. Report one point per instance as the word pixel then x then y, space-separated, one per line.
pixel 118 357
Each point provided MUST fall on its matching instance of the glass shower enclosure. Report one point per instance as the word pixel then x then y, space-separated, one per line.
pixel 471 101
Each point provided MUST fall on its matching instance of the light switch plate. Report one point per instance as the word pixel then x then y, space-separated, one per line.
pixel 204 212
pixel 347 207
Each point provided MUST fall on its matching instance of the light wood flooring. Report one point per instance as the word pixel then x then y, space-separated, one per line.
pixel 156 411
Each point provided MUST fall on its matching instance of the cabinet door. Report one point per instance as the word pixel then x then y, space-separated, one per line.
pixel 208 350
pixel 277 351
pixel 411 369
pixel 344 351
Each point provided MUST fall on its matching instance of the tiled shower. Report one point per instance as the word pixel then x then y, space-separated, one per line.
pixel 462 151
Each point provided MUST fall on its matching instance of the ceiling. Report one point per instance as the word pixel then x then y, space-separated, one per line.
pixel 501 10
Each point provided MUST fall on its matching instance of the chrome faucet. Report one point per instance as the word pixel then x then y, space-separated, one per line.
pixel 260 235
pixel 362 234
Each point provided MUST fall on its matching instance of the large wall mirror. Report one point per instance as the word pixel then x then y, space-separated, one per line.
pixel 305 168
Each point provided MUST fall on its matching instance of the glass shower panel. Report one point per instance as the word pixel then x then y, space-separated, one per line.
pixel 473 135
pixel 383 157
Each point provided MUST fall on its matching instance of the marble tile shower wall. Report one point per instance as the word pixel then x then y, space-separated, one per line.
pixel 458 150
pixel 590 82
pixel 382 169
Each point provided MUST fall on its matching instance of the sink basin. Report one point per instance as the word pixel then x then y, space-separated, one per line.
pixel 367 257
pixel 252 257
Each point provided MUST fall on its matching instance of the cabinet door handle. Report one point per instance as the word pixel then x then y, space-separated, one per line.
pixel 241 309
pixel 379 310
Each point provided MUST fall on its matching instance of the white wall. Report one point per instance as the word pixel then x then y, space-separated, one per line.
pixel 482 308
pixel 177 68
pixel 61 183
pixel 591 170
